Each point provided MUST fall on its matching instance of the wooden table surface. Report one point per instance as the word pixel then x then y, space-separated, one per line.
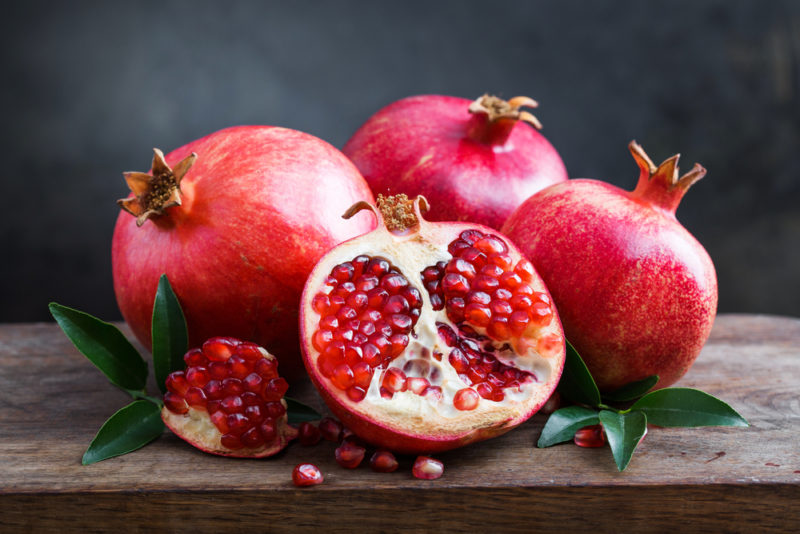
pixel 709 479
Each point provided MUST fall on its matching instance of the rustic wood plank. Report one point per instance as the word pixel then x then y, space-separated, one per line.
pixel 725 479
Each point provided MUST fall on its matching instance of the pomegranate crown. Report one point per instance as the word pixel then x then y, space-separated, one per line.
pixel 157 191
pixel 662 185
pixel 496 108
pixel 397 213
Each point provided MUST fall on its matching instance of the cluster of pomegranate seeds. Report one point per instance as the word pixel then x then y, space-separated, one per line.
pixel 237 383
pixel 365 321
pixel 306 475
pixel 482 286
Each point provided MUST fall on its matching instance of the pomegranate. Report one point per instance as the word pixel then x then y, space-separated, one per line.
pixel 427 336
pixel 229 400
pixel 636 292
pixel 474 161
pixel 236 220
pixel 306 475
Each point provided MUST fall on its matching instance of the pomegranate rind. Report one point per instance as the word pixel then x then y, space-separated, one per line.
pixel 406 426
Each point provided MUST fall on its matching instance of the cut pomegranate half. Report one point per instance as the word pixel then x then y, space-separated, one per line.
pixel 423 336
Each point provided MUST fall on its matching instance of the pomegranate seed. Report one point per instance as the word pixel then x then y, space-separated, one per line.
pixel 175 403
pixel 195 397
pixel 346 313
pixel 394 282
pixel 498 329
pixel 214 390
pixel 306 475
pixel 486 283
pixel 479 297
pixel 176 383
pixel 237 423
pixel 455 309
pixel 250 398
pixel 321 338
pixel 466 399
pixel 437 303
pixel 433 394
pixel 486 390
pixel 254 414
pixel 331 429
pixel 521 302
pixel 549 345
pixel 349 454
pixel 195 358
pixel 232 386
pixel 231 441
pixel 232 404
pixel 321 302
pixel 266 368
pixel 252 438
pixel 330 358
pixel 383 461
pixel 590 436
pixel 503 261
pixel 220 421
pixel 525 270
pixel 342 376
pixel 471 236
pixel 253 382
pixel 378 266
pixel 447 334
pixel 356 393
pixel 359 265
pixel 275 409
pixel 400 322
pixel 458 361
pixel 474 256
pixel 500 307
pixel 197 376
pixel 372 355
pixel 268 429
pixel 417 384
pixel 308 434
pixel 477 314
pixel 456 284
pixel 275 389
pixel 394 380
pixel 218 349
pixel 427 468
pixel 385 393
pixel 362 375
pixel 541 314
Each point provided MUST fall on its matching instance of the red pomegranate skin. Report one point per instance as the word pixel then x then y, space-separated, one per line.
pixel 259 207
pixel 469 170
pixel 636 292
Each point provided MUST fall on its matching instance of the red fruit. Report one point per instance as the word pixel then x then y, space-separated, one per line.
pixel 590 436
pixel 474 161
pixel 308 434
pixel 235 422
pixel 239 235
pixel 383 461
pixel 636 292
pixel 306 475
pixel 427 468
pixel 331 429
pixel 430 377
pixel 349 454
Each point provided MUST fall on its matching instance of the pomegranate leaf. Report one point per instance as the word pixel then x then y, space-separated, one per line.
pixel 576 382
pixel 130 428
pixel 562 424
pixel 624 431
pixel 297 412
pixel 168 331
pixel 632 390
pixel 105 346
pixel 686 407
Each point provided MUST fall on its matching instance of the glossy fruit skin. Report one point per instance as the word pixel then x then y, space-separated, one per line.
pixel 636 292
pixel 260 206
pixel 423 145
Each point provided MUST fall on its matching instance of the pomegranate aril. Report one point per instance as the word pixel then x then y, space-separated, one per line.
pixel 396 304
pixel 500 307
pixel 337 302
pixel 524 269
pixel 195 397
pixel 455 309
pixel 400 322
pixel 321 302
pixel 477 314
pixel 331 429
pixel 345 314
pixel 359 265
pixel 342 376
pixel 433 394
pixel 268 429
pixel 474 256
pixel 321 338
pixel 231 441
pixel 462 267
pixel 275 389
pixel 417 384
pixel 372 355
pixel 521 302
pixel 427 468
pixel 510 280
pixel 254 414
pixel 197 376
pixel 237 423
pixel 485 390
pixel 232 386
pixel 492 270
pixel 214 390
pixel 394 283
pixel 367 283
pixel 398 343
pixel 329 322
pixel 541 314
pixel 238 367
pixel 394 380
pixel 349 455
pixel 352 354
pixel 455 284
pixel 306 475
pixel 498 329
pixel 485 283
pixel 176 383
pixel 266 368
pixel 383 461
pixel 471 236
pixel 437 302
pixel 232 404
pixel 343 272
pixel 466 399
pixel 195 358
pixel 275 409
pixel 220 420
pixel 590 436
pixel 458 361
pixel 218 349
pixel 175 403
pixel 362 374
pixel 491 245
pixel 518 322
pixel 356 393
pixel 478 297
pixel 503 261
pixel 549 345
pixel 252 438
pixel 308 434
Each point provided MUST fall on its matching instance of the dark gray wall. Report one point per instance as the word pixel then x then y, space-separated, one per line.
pixel 87 89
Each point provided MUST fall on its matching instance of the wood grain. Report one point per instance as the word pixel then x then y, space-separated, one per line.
pixel 713 479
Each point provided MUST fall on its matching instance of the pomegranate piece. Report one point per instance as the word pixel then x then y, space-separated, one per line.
pixel 474 161
pixel 427 468
pixel 212 224
pixel 349 454
pixel 383 461
pixel 590 436
pixel 226 415
pixel 582 232
pixel 442 323
pixel 306 475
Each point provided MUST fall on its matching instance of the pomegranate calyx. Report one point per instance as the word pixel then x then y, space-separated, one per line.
pixel 397 213
pixel 157 191
pixel 496 108
pixel 661 185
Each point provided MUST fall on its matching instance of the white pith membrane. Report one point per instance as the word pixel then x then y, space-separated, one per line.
pixel 409 413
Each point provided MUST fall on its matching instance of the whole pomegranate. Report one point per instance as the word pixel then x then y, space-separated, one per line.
pixel 423 336
pixel 636 292
pixel 229 400
pixel 474 161
pixel 237 221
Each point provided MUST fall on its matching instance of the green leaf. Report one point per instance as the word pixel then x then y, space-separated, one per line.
pixel 168 331
pixel 298 412
pixel 105 346
pixel 686 407
pixel 562 424
pixel 632 390
pixel 131 428
pixel 624 432
pixel 576 382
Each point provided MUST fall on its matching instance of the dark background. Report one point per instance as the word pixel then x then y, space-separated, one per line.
pixel 89 88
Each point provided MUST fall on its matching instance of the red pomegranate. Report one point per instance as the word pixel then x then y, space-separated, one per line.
pixel 237 221
pixel 474 161
pixel 427 336
pixel 229 400
pixel 636 292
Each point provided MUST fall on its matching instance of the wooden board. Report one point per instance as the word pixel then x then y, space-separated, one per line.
pixel 715 479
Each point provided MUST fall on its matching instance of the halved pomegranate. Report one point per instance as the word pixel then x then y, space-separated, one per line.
pixel 425 336
pixel 229 400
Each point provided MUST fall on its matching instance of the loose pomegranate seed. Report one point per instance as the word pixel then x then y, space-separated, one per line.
pixel 427 468
pixel 349 454
pixel 331 429
pixel 308 434
pixel 466 399
pixel 383 461
pixel 306 475
pixel 590 436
